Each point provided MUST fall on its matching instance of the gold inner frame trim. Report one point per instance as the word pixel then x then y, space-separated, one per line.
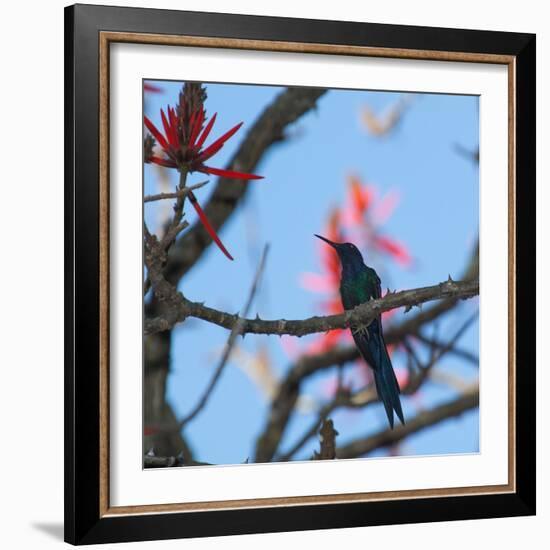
pixel 105 39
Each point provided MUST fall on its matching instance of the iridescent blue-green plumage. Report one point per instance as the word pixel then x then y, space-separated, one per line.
pixel 359 284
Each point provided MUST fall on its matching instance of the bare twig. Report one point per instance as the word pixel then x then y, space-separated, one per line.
pixel 176 194
pixel 416 381
pixel 235 332
pixel 436 344
pixel 175 224
pixel 469 399
pixel 470 154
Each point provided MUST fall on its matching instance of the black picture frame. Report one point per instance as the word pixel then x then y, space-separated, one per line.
pixel 84 523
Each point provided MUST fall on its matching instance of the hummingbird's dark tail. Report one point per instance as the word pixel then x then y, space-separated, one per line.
pixel 387 387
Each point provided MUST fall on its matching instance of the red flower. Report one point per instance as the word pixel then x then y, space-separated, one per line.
pixel 363 215
pixel 361 198
pixel 393 248
pixel 183 141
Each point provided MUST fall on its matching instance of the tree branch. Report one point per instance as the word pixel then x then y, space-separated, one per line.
pixel 361 315
pixel 154 256
pixel 469 399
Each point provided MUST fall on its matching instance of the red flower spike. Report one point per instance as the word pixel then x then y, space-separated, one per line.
pixel 232 174
pixel 218 144
pixel 185 134
pixel 207 225
pixel 157 135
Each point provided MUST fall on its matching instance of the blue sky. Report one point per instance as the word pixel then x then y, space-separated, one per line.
pixel 436 218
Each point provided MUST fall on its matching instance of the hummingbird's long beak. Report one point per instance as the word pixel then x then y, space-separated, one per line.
pixel 334 245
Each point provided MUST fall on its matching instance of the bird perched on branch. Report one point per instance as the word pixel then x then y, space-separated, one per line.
pixel 359 284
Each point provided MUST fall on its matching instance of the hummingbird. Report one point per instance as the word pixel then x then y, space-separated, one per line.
pixel 360 283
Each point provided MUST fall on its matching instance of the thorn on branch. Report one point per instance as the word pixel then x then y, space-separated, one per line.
pixel 410 306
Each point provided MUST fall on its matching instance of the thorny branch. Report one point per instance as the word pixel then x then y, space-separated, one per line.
pixel 361 315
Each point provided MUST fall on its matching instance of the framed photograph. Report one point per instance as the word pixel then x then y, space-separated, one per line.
pixel 300 274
